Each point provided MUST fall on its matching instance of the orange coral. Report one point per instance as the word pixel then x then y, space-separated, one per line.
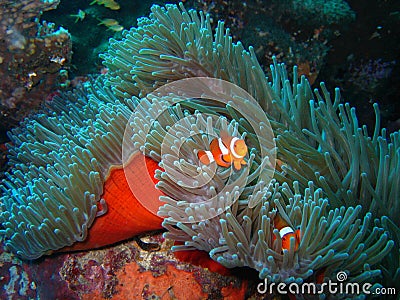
pixel 173 284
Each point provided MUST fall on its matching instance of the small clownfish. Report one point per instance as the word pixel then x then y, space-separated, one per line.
pixel 286 232
pixel 225 151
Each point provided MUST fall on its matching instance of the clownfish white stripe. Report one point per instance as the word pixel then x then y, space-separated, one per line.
pixel 222 147
pixel 210 156
pixel 232 146
pixel 285 230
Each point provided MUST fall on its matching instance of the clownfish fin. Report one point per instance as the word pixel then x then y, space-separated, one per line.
pixel 205 157
pixel 224 135
pixel 237 164
pixel 223 160
pixel 281 220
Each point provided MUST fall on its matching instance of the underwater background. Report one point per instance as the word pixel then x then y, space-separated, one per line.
pixel 59 69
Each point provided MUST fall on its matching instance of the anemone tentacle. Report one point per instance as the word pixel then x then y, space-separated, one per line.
pixel 60 160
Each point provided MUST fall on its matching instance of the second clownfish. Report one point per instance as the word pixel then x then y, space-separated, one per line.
pixel 286 232
pixel 225 151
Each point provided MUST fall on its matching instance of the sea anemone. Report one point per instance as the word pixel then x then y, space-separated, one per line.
pixel 332 240
pixel 318 138
pixel 63 165
pixel 229 214
pixel 329 170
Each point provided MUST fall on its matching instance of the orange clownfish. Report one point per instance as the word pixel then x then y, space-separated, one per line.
pixel 286 232
pixel 225 151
